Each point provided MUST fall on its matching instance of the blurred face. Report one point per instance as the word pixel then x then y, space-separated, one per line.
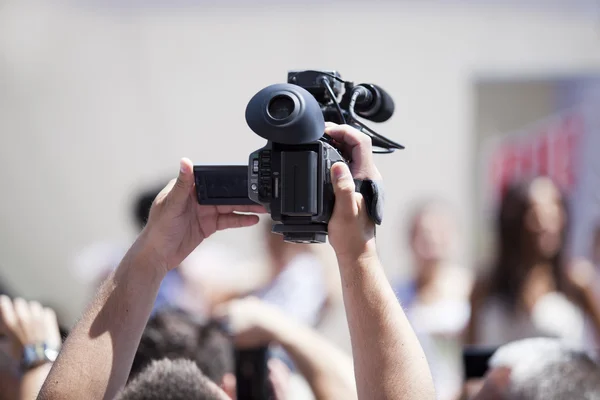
pixel 545 219
pixel 432 236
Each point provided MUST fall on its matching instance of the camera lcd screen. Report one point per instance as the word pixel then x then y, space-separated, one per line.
pixel 225 185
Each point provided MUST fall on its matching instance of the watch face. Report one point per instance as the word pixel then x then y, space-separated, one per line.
pixel 51 354
pixel 37 354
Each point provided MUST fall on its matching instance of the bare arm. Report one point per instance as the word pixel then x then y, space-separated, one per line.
pixel 327 369
pixel 389 362
pixel 97 356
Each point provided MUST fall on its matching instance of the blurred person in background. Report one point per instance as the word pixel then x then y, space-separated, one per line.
pixel 540 369
pixel 295 278
pixel 436 299
pixel 31 343
pixel 176 334
pixel 255 323
pixel 297 282
pixel 173 333
pixel 532 289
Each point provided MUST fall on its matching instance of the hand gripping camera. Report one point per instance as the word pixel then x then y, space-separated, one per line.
pixel 290 175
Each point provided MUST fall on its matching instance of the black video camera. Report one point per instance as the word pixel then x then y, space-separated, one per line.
pixel 290 175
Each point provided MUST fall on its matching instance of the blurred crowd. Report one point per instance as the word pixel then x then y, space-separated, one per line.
pixel 531 307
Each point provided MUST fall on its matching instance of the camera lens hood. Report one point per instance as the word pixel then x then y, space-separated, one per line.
pixel 285 113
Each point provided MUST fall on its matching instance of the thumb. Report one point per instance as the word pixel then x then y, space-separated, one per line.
pixel 184 183
pixel 343 188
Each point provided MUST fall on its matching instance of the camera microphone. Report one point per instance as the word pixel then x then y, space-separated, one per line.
pixel 373 103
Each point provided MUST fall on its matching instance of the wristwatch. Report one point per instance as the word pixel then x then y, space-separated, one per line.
pixel 37 354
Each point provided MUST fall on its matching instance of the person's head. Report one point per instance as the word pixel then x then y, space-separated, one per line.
pixel 431 234
pixel 531 226
pixel 175 334
pixel 541 368
pixel 171 379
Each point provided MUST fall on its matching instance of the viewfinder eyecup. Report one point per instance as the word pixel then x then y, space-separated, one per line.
pixel 285 113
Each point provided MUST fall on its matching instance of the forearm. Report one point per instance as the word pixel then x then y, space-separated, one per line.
pixel 389 362
pixel 96 358
pixel 327 369
pixel 32 381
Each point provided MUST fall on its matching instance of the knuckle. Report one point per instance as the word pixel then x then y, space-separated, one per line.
pixel 365 141
pixel 35 304
pixel 49 312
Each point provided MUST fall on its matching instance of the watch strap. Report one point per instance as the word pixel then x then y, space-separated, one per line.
pixel 372 192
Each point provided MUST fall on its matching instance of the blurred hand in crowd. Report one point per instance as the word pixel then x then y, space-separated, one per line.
pixel 279 376
pixel 251 321
pixel 254 323
pixel 28 323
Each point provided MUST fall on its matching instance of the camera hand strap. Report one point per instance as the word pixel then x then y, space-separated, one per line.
pixel 372 192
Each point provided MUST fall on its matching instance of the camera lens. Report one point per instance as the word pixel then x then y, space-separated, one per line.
pixel 281 107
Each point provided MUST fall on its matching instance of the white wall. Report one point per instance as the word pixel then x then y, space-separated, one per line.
pixel 96 103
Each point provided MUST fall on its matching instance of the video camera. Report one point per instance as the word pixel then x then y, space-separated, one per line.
pixel 290 175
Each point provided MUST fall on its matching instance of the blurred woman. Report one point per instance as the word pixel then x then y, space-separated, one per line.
pixel 436 300
pixel 531 291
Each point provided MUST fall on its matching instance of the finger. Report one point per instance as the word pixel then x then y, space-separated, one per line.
pixel 52 331
pixel 343 188
pixel 8 318
pixel 37 324
pixel 357 146
pixel 180 192
pixel 350 136
pixel 23 319
pixel 228 221
pixel 279 375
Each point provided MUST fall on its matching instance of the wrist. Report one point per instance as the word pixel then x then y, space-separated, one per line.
pixel 145 256
pixel 363 254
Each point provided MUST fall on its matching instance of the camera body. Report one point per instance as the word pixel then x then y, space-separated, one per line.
pixel 293 183
pixel 290 175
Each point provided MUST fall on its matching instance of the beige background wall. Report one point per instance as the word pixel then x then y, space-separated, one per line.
pixel 96 103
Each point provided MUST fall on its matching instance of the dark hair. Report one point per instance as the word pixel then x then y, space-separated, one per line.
pixel 170 380
pixel 175 334
pixel 509 271
pixel 142 204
